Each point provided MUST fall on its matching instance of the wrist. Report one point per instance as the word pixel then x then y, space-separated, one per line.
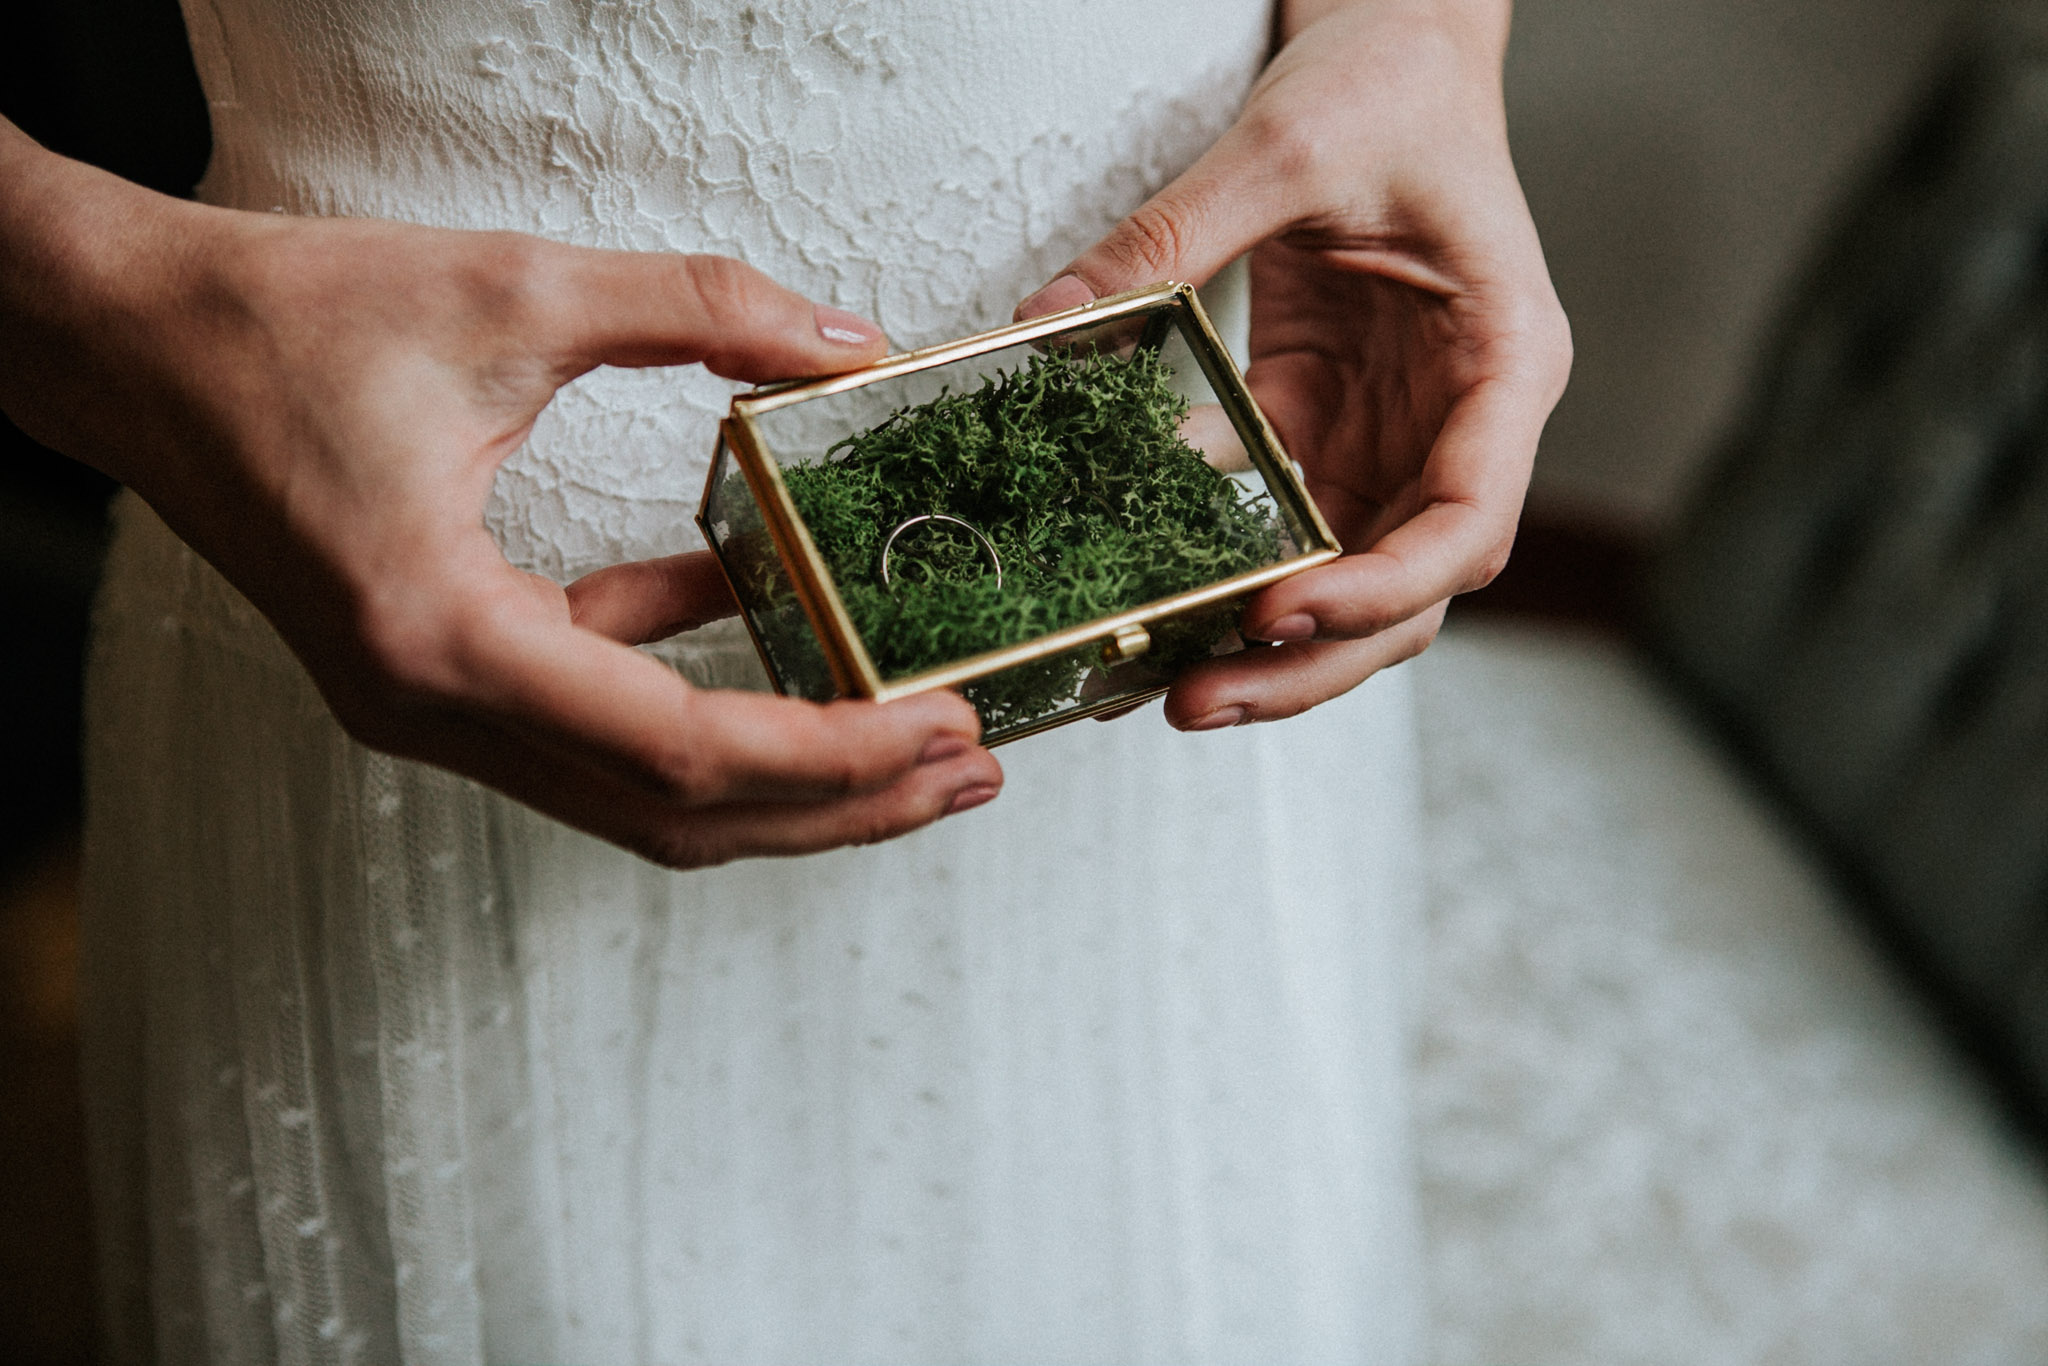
pixel 89 265
pixel 1478 26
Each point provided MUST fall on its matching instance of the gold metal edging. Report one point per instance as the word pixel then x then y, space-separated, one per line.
pixel 770 397
pixel 853 669
pixel 1260 440
pixel 1137 697
pixel 733 584
pixel 852 666
pixel 746 616
pixel 1101 628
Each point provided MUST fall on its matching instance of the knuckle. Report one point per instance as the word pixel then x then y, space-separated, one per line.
pixel 395 696
pixel 681 767
pixel 412 652
pixel 1552 331
pixel 675 772
pixel 407 648
pixel 512 278
pixel 1286 145
pixel 1558 339
pixel 1423 637
pixel 1492 562
pixel 848 777
pixel 684 846
pixel 844 769
pixel 836 769
pixel 1284 708
pixel 1542 333
pixel 874 826
pixel 846 774
pixel 1151 239
pixel 1359 624
pixel 722 290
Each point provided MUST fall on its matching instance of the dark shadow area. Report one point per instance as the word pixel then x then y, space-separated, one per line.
pixel 1567 571
pixel 46 1276
pixel 109 82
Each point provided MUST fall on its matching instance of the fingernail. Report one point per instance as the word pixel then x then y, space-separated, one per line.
pixel 967 798
pixel 1069 291
pixel 1219 719
pixel 1300 626
pixel 848 329
pixel 941 747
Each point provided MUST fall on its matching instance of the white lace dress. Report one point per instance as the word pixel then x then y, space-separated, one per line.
pixel 386 1069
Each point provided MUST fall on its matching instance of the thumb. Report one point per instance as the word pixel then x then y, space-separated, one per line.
pixel 1216 211
pixel 653 308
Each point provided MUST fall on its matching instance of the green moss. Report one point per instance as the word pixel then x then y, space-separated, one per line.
pixel 1075 469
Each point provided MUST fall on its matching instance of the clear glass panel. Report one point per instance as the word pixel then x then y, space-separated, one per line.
pixel 989 502
pixel 736 530
pixel 1209 430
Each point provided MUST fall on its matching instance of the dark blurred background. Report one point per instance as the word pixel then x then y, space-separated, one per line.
pixel 1748 204
pixel 111 82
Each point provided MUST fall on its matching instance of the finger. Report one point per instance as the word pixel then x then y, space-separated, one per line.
pixel 646 600
pixel 1471 498
pixel 621 712
pixel 839 747
pixel 1211 432
pixel 926 794
pixel 681 837
pixel 1221 207
pixel 1270 683
pixel 652 308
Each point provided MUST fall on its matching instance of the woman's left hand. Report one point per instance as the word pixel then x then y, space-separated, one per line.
pixel 1405 338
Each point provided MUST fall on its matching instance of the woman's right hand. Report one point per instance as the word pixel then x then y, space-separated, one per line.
pixel 318 407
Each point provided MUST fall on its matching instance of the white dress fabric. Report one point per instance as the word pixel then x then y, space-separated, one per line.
pixel 386 1069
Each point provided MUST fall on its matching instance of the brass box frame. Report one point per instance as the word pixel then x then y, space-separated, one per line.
pixel 1162 307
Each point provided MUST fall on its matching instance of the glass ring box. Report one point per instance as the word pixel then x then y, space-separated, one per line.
pixel 1055 517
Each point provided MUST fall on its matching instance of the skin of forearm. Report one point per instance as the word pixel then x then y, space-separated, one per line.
pixel 85 257
pixel 1483 24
